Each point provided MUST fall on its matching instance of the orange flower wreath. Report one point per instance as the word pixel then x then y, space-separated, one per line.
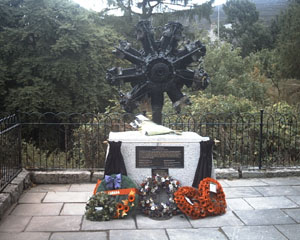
pixel 188 200
pixel 201 202
pixel 215 200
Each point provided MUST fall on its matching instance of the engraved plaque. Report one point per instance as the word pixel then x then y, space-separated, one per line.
pixel 161 172
pixel 159 157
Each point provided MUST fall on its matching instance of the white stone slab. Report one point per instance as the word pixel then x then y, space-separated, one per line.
pixel 189 140
pixel 37 209
pixel 252 232
pixel 291 231
pixel 32 197
pixel 25 236
pixel 54 224
pixel 179 221
pixel 153 234
pixel 197 234
pixel 73 209
pixel 271 202
pixel 79 236
pixel 138 136
pixel 73 197
pixel 238 204
pixel 227 219
pixel 14 223
pixel 85 187
pixel 126 223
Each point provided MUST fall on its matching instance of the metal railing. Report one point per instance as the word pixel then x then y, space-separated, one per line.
pixel 10 150
pixel 248 140
pixel 76 141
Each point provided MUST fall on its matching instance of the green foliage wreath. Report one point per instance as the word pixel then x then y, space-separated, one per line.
pixel 125 203
pixel 100 207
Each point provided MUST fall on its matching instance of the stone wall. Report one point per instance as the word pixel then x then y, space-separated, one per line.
pixel 14 190
pixel 62 177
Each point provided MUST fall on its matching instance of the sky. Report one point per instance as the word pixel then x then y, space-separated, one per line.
pixel 98 5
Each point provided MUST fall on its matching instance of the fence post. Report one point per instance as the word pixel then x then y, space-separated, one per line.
pixel 20 144
pixel 18 121
pixel 261 137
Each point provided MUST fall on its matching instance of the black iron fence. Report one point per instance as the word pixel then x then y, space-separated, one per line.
pixel 76 141
pixel 10 149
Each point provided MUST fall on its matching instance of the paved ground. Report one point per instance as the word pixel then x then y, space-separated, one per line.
pixel 266 208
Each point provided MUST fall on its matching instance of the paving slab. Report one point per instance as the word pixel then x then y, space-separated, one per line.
pixel 245 182
pixel 37 209
pixel 271 202
pixel 223 183
pixel 264 217
pixel 292 231
pixel 54 224
pixel 138 235
pixel 277 191
pixel 32 197
pixel 85 187
pixel 14 223
pixel 282 181
pixel 50 188
pixel 293 213
pixel 253 232
pixel 238 204
pixel 127 223
pixel 227 219
pixel 297 188
pixel 178 221
pixel 67 197
pixel 73 209
pixel 79 236
pixel 199 234
pixel 25 236
pixel 241 192
pixel 295 199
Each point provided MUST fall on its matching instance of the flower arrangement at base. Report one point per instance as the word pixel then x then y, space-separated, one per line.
pixel 188 200
pixel 214 197
pixel 207 200
pixel 123 190
pixel 149 197
pixel 100 207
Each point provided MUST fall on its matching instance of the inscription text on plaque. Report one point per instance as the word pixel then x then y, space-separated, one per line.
pixel 159 157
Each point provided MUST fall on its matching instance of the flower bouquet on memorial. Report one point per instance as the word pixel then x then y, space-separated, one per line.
pixel 150 128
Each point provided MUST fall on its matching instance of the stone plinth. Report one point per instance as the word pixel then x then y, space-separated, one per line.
pixel 188 140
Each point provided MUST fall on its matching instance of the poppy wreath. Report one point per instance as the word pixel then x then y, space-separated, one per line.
pixel 124 192
pixel 190 202
pixel 201 202
pixel 149 192
pixel 214 201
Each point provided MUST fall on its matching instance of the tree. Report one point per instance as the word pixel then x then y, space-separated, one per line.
pixel 288 40
pixel 53 57
pixel 245 30
pixel 146 8
pixel 233 75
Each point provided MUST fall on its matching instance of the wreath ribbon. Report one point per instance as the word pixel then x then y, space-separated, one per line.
pixel 125 194
pixel 125 191
pixel 113 182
